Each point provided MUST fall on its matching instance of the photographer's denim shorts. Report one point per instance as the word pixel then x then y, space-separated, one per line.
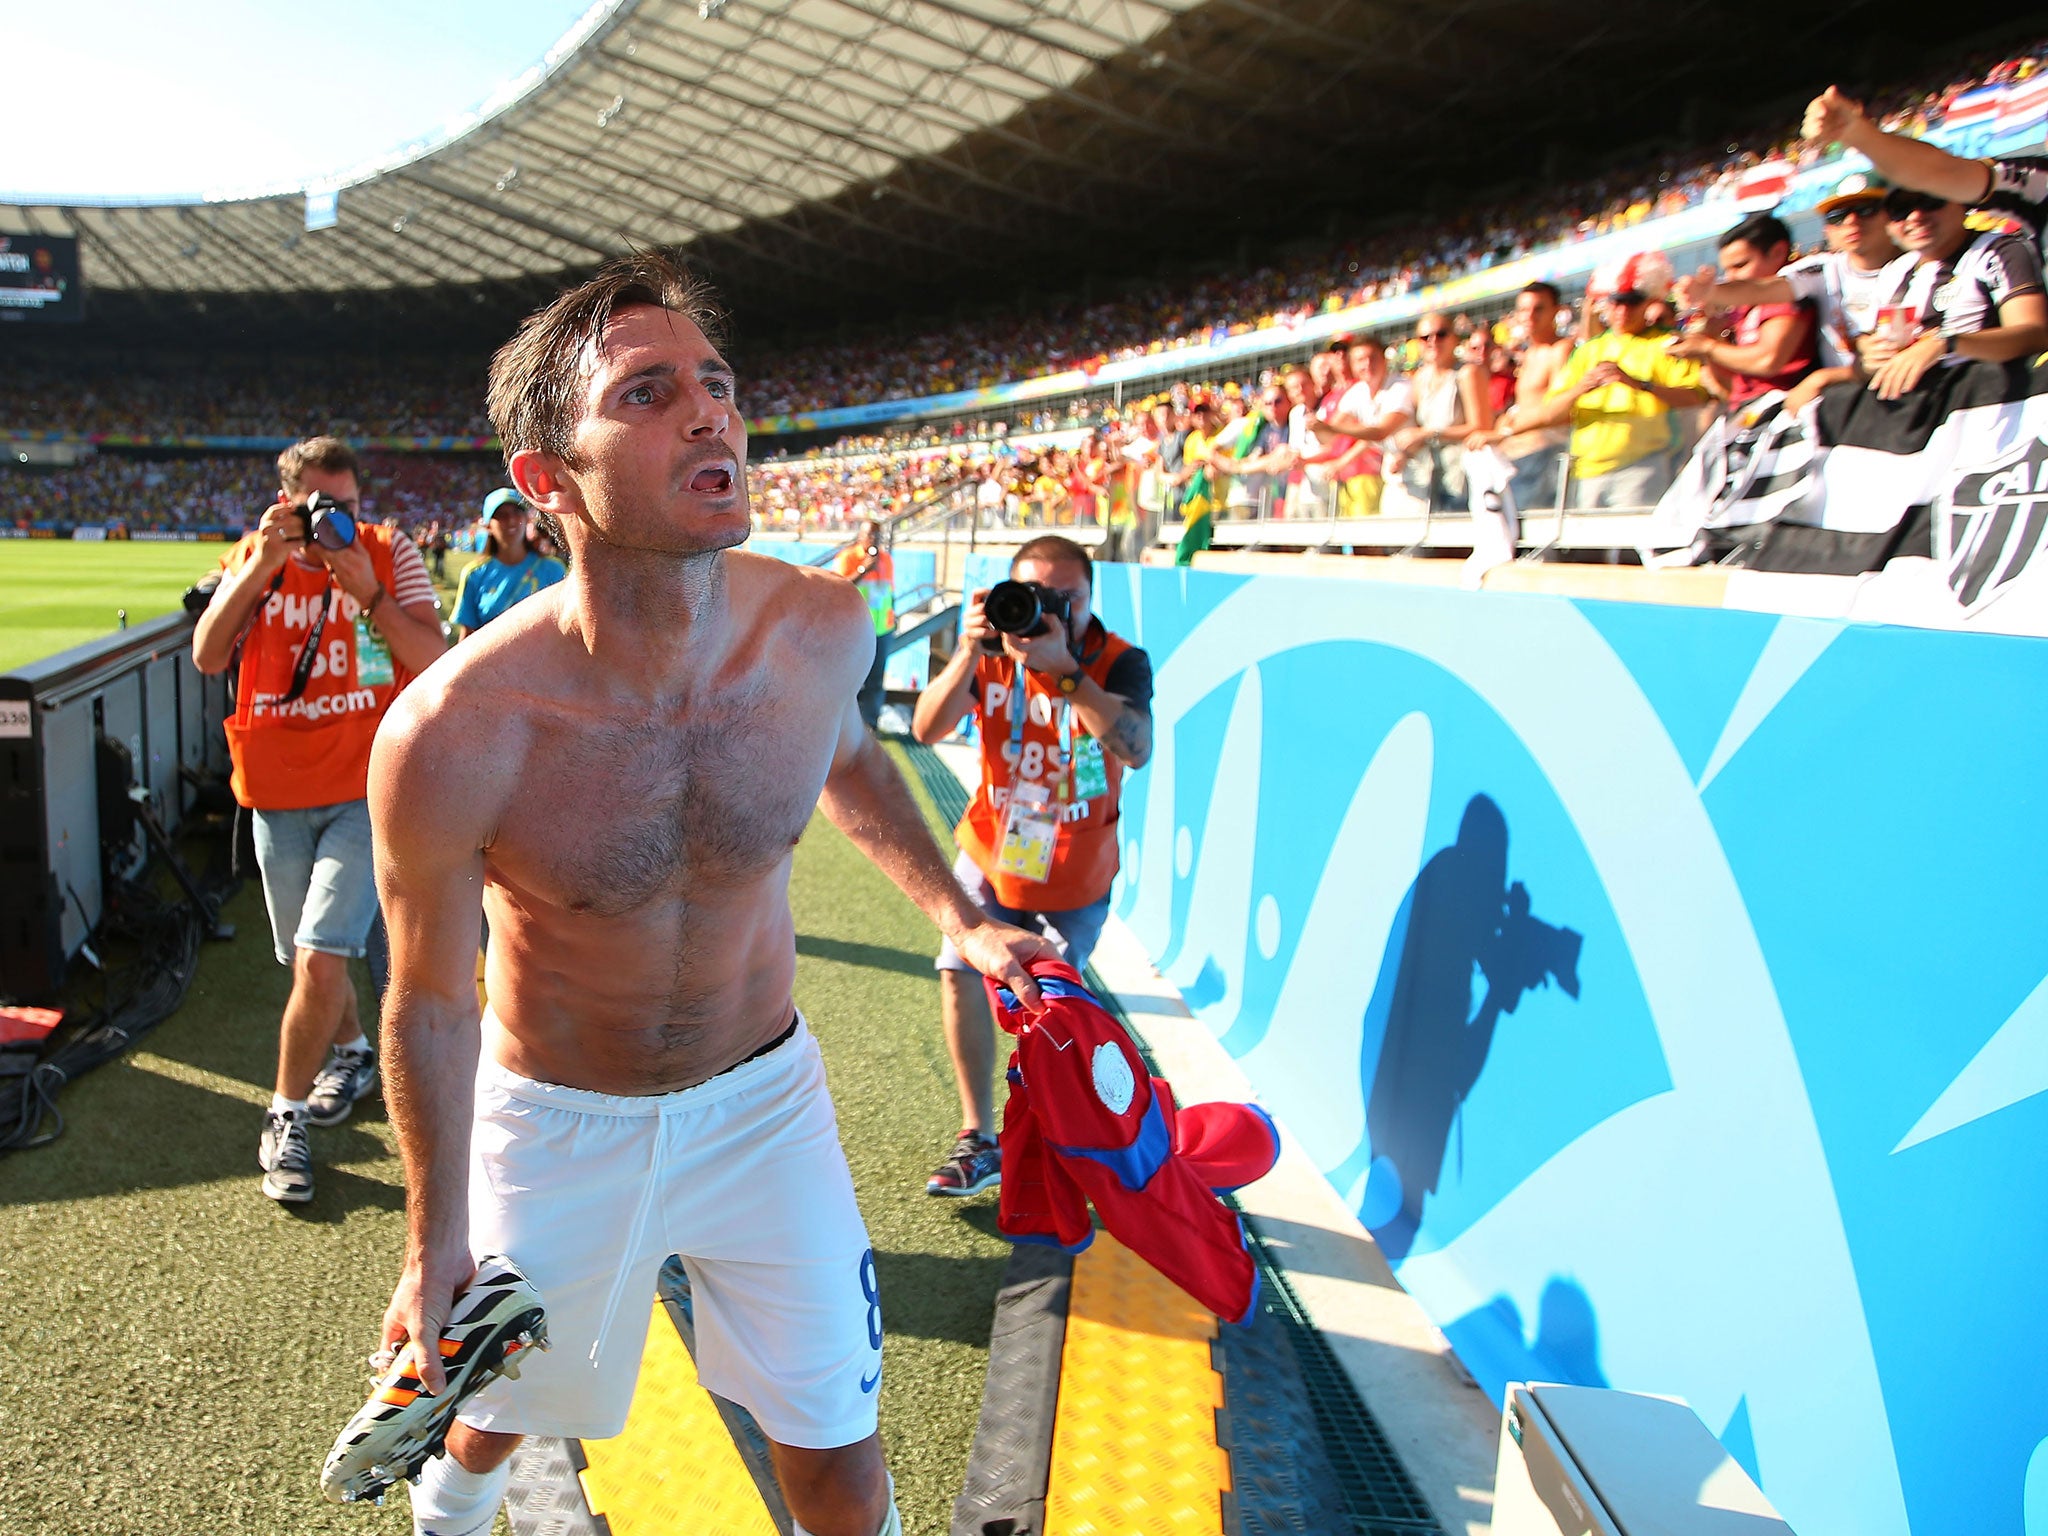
pixel 1075 931
pixel 318 878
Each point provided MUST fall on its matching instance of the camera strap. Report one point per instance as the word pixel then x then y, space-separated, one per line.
pixel 1021 703
pixel 302 669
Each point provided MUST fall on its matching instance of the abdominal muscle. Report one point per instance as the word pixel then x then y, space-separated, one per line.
pixel 648 1001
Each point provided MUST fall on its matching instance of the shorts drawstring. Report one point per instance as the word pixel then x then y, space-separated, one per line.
pixel 632 1248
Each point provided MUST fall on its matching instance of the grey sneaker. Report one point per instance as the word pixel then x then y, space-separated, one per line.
pixel 285 1158
pixel 975 1164
pixel 348 1076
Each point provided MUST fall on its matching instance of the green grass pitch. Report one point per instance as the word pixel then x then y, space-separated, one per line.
pixel 55 594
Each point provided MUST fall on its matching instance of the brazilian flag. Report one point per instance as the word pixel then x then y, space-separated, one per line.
pixel 1202 497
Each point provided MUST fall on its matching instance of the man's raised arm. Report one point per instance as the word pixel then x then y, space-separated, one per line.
pixel 1834 117
pixel 866 798
pixel 424 808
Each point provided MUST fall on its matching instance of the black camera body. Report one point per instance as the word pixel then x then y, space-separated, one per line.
pixel 1020 608
pixel 328 523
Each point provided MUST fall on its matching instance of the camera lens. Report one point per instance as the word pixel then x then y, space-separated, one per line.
pixel 1011 607
pixel 333 529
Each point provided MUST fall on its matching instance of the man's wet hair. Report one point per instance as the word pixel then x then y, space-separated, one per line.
pixel 1051 548
pixel 328 455
pixel 536 379
pixel 1544 290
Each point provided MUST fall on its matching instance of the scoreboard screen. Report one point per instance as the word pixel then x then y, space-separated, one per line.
pixel 39 278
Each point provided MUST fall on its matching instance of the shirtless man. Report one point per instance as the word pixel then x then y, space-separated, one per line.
pixel 1533 451
pixel 618 771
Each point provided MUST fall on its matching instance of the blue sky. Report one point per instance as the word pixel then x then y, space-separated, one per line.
pixel 143 98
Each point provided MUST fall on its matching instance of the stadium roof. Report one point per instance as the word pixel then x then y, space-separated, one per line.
pixel 814 153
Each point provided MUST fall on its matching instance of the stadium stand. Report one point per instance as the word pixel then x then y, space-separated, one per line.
pixel 155 396
pixel 1009 396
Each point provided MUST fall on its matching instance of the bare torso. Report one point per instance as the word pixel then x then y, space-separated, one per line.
pixel 1541 365
pixel 636 855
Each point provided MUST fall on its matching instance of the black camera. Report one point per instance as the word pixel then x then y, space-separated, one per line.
pixel 328 523
pixel 1020 608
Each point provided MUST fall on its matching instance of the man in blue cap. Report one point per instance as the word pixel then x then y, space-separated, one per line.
pixel 511 570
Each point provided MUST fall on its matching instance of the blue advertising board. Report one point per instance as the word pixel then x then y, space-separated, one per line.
pixel 1663 988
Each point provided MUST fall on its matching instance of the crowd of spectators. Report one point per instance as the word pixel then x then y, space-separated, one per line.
pixel 1159 317
pixel 1360 420
pixel 229 491
pixel 839 492
pixel 154 394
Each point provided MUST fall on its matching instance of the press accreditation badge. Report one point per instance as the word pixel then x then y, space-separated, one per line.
pixel 373 656
pixel 1090 777
pixel 1031 827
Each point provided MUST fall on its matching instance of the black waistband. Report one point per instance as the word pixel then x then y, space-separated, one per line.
pixel 777 1043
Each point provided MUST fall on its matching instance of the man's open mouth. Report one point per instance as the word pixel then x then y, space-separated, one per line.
pixel 712 480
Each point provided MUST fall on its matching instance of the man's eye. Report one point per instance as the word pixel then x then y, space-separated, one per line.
pixel 721 389
pixel 640 394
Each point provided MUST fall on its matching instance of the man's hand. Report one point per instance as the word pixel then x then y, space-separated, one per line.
pixel 974 624
pixel 1004 955
pixel 1045 651
pixel 351 567
pixel 1692 344
pixel 419 1312
pixel 1699 290
pixel 1902 372
pixel 281 530
pixel 1832 118
pixel 1600 375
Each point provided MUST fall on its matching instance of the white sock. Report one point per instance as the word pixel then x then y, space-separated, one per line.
pixel 280 1105
pixel 892 1523
pixel 360 1043
pixel 451 1500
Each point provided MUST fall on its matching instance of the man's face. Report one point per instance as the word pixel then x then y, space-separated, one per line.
pixel 1930 231
pixel 1065 576
pixel 1538 314
pixel 1626 314
pixel 661 445
pixel 1857 227
pixel 1368 363
pixel 1743 262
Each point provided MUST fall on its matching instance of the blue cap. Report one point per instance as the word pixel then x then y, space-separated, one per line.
pixel 503 496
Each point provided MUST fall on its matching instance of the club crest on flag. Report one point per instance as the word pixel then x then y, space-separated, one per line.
pixel 1992 525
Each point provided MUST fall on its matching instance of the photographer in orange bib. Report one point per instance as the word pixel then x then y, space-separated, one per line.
pixel 1062 708
pixel 324 617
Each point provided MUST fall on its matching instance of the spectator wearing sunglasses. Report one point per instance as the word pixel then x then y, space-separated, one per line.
pixel 1754 348
pixel 2017 186
pixel 1450 402
pixel 1851 284
pixel 1971 295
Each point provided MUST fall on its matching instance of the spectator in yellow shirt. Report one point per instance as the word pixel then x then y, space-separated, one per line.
pixel 1618 391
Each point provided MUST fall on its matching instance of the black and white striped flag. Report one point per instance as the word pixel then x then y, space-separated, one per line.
pixel 1970 444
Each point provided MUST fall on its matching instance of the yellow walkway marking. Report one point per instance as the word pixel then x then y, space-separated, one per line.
pixel 1134 1437
pixel 674 1468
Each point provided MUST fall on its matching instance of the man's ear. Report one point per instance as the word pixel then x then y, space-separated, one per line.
pixel 544 483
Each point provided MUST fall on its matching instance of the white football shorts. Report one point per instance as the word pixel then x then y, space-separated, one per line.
pixel 744 1178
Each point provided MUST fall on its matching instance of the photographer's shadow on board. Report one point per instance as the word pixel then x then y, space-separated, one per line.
pixel 1428 1028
